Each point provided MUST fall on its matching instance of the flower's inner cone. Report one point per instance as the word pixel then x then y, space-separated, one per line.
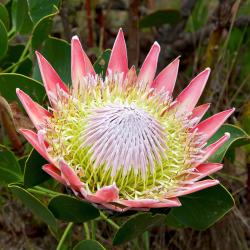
pixel 124 137
pixel 111 135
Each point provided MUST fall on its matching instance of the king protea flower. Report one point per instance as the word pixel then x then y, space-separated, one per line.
pixel 121 141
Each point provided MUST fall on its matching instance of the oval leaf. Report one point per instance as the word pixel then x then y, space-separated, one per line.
pixel 137 225
pixel 68 208
pixel 172 221
pixel 35 206
pixel 3 40
pixel 12 57
pixel 88 245
pixel 201 209
pixel 10 170
pixel 238 137
pixel 42 29
pixel 21 21
pixel 38 9
pixel 4 16
pixel 33 173
pixel 10 81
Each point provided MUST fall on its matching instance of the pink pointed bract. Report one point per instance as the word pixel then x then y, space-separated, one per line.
pixel 122 141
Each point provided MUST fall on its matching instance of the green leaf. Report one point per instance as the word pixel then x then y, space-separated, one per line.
pixel 88 245
pixel 11 58
pixel 202 209
pixel 21 21
pixel 39 9
pixel 3 40
pixel 42 29
pixel 164 210
pixel 13 54
pixel 172 221
pixel 68 208
pixel 4 16
pixel 57 52
pixel 10 170
pixel 199 16
pixel 22 160
pixel 137 225
pixel 160 17
pixel 244 60
pixel 35 206
pixel 101 63
pixel 238 137
pixel 10 81
pixel 25 67
pixel 235 39
pixel 33 173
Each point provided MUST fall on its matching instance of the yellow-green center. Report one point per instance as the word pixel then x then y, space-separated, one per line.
pixel 112 134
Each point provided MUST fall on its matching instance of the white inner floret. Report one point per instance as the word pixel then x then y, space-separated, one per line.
pixel 124 136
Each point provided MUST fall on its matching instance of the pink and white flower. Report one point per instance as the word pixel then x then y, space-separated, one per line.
pixel 122 141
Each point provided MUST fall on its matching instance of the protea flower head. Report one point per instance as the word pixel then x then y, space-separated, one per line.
pixel 121 141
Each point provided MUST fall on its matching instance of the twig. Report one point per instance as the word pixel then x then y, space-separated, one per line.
pixel 65 21
pixel 7 121
pixel 242 21
pixel 133 32
pixel 100 19
pixel 232 99
pixel 187 7
pixel 89 23
pixel 248 183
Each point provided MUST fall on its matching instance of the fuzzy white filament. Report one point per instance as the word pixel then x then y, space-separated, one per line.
pixel 124 137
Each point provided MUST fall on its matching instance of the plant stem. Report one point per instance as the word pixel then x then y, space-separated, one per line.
pixel 65 233
pixel 34 191
pixel 10 33
pixel 43 191
pixel 112 223
pixel 93 228
pixel 86 230
pixel 47 190
pixel 26 48
pixel 145 238
pixel 13 65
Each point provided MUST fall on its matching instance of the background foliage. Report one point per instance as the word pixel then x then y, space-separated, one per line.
pixel 35 212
